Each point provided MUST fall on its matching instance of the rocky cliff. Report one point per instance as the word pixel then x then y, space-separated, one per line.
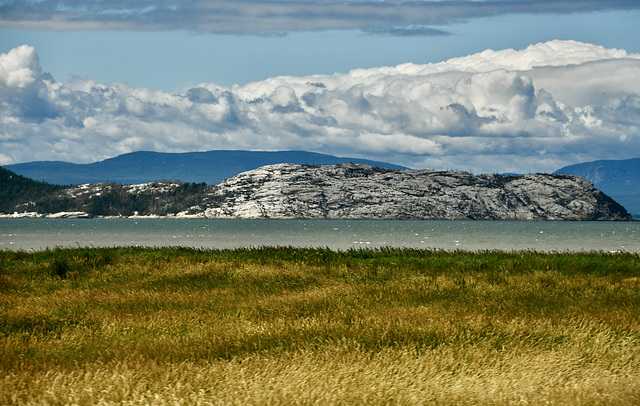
pixel 351 191
pixel 345 191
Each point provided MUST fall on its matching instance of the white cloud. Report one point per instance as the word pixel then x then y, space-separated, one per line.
pixel 527 110
pixel 19 67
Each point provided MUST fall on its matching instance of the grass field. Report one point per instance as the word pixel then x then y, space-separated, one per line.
pixel 270 326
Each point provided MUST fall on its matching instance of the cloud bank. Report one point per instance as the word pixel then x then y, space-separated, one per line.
pixel 529 110
pixel 393 17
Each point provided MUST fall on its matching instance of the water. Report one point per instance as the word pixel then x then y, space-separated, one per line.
pixel 38 234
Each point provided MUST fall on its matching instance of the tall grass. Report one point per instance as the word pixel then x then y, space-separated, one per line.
pixel 314 326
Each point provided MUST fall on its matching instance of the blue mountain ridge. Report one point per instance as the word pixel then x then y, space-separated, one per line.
pixel 211 167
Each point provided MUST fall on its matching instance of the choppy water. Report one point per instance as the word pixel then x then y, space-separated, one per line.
pixel 28 234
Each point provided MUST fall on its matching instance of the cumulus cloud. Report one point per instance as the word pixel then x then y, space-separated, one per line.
pixel 529 110
pixel 19 67
pixel 394 17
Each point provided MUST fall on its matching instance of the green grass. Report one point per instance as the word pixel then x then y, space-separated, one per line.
pixel 313 326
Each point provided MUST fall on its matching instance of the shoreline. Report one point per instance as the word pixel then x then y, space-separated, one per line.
pixel 85 215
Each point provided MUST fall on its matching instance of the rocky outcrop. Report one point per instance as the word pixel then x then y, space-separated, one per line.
pixel 345 191
pixel 351 191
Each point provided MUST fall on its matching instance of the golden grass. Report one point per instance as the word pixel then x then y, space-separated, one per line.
pixel 301 327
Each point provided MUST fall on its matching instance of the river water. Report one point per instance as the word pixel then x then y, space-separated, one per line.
pixel 38 234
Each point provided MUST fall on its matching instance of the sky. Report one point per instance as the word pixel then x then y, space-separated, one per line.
pixel 484 86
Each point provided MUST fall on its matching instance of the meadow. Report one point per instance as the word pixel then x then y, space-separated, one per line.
pixel 289 326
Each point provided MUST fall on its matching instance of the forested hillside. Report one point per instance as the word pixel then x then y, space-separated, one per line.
pixel 20 194
pixel 16 189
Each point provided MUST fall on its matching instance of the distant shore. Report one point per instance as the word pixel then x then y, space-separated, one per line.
pixel 84 215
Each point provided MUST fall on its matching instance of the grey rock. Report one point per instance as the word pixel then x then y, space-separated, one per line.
pixel 356 191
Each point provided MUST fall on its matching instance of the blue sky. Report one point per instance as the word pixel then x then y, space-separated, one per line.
pixel 171 59
pixel 150 53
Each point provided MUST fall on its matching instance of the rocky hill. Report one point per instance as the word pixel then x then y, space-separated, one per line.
pixel 346 191
pixel 350 191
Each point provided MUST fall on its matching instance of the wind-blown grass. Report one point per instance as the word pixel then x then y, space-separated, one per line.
pixel 314 326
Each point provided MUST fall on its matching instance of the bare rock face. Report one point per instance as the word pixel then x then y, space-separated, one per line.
pixel 354 191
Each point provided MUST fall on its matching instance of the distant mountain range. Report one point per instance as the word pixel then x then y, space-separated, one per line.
pixel 618 179
pixel 211 167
